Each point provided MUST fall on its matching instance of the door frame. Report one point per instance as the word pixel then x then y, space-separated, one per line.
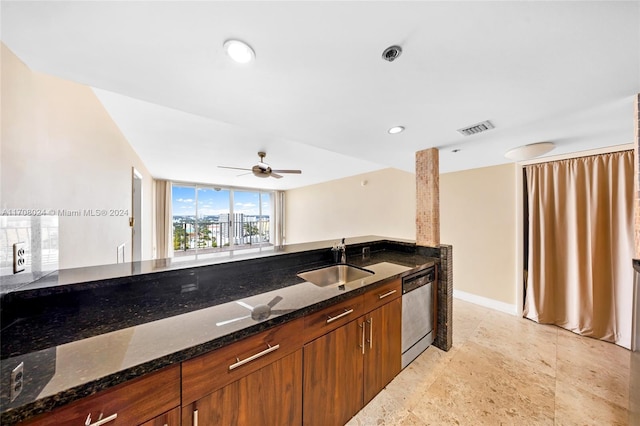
pixel 135 221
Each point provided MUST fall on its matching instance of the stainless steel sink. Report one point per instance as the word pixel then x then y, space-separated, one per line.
pixel 335 275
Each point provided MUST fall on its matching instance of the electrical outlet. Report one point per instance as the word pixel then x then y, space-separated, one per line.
pixel 19 257
pixel 17 378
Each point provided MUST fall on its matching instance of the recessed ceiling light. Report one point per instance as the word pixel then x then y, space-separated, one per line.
pixel 239 51
pixel 396 129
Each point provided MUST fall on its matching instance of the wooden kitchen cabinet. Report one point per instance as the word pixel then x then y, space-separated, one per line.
pixel 323 321
pixel 131 403
pixel 347 367
pixel 170 418
pixel 255 381
pixel 333 376
pixel 270 396
pixel 383 354
pixel 383 294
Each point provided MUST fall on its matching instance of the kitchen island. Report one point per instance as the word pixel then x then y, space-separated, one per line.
pixel 77 337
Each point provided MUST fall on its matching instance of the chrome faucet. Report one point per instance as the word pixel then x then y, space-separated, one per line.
pixel 343 250
pixel 339 251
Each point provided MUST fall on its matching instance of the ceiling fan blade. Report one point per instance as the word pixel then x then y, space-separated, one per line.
pixel 244 174
pixel 275 175
pixel 244 305
pixel 221 323
pixel 288 171
pixel 233 168
pixel 274 301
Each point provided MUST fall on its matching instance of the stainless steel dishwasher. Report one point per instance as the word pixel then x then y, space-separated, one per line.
pixel 417 313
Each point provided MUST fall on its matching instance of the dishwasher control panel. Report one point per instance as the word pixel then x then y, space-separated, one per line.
pixel 418 279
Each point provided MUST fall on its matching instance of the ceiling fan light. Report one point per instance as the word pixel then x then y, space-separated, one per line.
pixel 239 51
pixel 530 151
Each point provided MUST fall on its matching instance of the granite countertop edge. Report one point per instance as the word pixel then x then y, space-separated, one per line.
pixel 65 397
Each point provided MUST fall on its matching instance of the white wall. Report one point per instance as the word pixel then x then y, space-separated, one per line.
pixel 61 150
pixel 385 206
pixel 478 217
pixel 477 213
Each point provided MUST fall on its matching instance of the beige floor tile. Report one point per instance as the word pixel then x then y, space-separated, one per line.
pixel 466 319
pixel 486 387
pixel 634 389
pixel 506 370
pixel 520 339
pixel 382 410
pixel 572 345
pixel 418 376
pixel 600 368
pixel 575 406
pixel 602 381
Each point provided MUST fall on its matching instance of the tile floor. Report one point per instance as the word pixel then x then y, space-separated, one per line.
pixel 506 370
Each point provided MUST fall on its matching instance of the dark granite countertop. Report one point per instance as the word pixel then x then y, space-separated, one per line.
pixel 81 337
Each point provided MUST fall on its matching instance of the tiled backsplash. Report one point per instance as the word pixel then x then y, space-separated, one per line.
pixel 444 332
pixel 40 237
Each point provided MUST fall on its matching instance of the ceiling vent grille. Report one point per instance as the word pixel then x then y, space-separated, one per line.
pixel 476 128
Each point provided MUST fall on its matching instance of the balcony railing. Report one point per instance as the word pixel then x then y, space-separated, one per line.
pixel 190 238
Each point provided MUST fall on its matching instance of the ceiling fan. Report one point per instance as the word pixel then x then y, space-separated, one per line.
pixel 259 312
pixel 262 169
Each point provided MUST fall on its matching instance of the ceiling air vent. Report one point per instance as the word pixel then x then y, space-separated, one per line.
pixel 476 128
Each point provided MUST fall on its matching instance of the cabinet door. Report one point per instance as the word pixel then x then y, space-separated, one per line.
pixel 382 361
pixel 333 368
pixel 170 418
pixel 270 396
pixel 130 403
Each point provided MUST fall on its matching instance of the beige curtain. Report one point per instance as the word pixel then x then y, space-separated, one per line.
pixel 163 232
pixel 580 245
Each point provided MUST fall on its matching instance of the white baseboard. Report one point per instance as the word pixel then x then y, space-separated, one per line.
pixel 486 302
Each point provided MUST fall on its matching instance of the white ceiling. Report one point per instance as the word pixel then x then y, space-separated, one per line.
pixel 320 98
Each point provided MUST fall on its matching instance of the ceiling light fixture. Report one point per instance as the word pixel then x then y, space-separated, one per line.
pixel 396 129
pixel 239 51
pixel 527 152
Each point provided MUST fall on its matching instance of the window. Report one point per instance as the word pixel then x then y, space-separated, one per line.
pixel 209 220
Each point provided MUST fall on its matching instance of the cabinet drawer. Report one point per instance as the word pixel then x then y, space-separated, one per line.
pixel 212 371
pixel 130 403
pixel 332 317
pixel 383 294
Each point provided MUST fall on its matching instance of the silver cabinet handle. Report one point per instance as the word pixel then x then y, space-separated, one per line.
pixel 362 346
pixel 100 421
pixel 195 417
pixel 344 314
pixel 370 322
pixel 389 293
pixel 252 357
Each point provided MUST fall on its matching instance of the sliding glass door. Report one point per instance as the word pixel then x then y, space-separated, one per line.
pixel 210 220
